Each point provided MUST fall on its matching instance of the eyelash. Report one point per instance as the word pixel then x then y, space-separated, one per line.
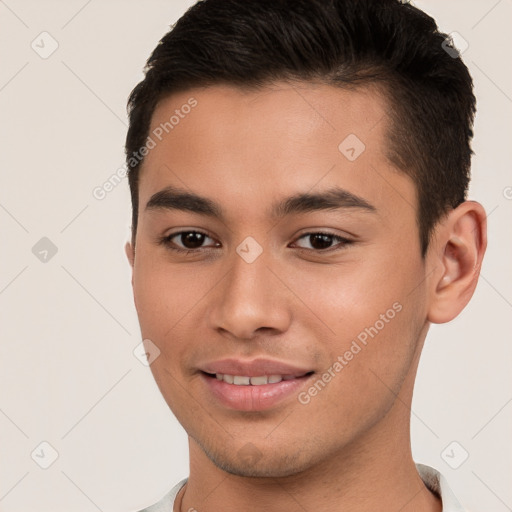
pixel 343 242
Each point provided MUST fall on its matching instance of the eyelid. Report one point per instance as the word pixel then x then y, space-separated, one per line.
pixel 342 241
pixel 166 240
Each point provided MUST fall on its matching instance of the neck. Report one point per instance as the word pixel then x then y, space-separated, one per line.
pixel 374 472
pixel 357 480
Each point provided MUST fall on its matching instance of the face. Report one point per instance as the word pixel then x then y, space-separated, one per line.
pixel 276 241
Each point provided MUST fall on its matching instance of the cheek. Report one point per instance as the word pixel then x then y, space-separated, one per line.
pixel 158 302
pixel 163 292
pixel 161 301
pixel 170 301
pixel 370 314
pixel 348 297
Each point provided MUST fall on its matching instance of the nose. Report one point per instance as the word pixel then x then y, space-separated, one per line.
pixel 250 300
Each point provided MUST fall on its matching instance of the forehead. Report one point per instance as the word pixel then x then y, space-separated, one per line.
pixel 296 112
pixel 241 146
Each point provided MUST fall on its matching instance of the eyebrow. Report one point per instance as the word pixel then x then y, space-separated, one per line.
pixel 173 198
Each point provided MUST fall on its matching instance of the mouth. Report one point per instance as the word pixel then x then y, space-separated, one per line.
pixel 253 392
pixel 261 380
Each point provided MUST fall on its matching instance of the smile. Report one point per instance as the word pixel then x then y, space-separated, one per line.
pixel 253 393
pixel 243 380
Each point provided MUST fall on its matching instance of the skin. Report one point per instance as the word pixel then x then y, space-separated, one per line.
pixel 349 447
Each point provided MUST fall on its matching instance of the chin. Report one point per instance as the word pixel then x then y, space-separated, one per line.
pixel 251 462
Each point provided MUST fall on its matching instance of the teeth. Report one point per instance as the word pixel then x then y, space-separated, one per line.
pixel 242 380
pixel 256 381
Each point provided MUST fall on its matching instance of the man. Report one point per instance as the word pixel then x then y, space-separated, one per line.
pixel 299 171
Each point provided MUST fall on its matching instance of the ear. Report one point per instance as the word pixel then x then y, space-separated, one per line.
pixel 130 253
pixel 457 251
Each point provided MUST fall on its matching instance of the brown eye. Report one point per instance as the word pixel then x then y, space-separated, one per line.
pixel 192 239
pixel 188 241
pixel 320 241
pixel 323 242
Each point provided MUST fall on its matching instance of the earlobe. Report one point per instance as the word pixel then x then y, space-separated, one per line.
pixel 460 245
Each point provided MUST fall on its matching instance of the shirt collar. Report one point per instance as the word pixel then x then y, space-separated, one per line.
pixel 439 486
pixel 434 481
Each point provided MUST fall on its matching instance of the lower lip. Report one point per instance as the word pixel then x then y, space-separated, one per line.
pixel 253 398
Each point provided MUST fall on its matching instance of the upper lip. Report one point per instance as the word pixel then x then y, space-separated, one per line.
pixel 253 368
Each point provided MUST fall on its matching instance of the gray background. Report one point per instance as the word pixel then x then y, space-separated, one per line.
pixel 68 325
